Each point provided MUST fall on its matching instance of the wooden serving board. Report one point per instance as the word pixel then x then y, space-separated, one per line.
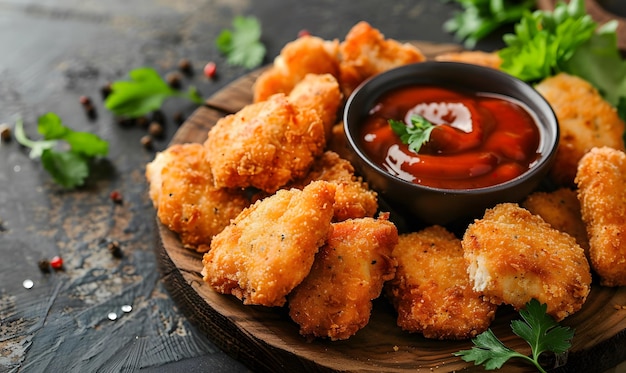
pixel 267 340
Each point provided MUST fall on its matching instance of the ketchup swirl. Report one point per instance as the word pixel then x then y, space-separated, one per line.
pixel 479 140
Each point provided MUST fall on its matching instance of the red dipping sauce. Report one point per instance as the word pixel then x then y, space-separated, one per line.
pixel 479 139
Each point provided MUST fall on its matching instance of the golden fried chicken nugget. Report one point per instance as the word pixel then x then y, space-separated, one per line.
pixel 186 199
pixel 321 93
pixel 305 55
pixel 270 247
pixel 560 209
pixel 335 300
pixel 432 292
pixel 515 256
pixel 586 120
pixel 487 59
pixel 601 179
pixel 265 145
pixel 365 52
pixel 353 198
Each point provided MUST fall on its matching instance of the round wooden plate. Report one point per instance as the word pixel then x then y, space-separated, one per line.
pixel 266 339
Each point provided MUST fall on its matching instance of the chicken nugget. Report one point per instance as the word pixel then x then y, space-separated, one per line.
pixel 601 178
pixel 432 292
pixel 560 209
pixel 353 198
pixel 305 55
pixel 186 199
pixel 270 247
pixel 335 300
pixel 586 120
pixel 487 59
pixel 515 256
pixel 265 145
pixel 321 93
pixel 365 52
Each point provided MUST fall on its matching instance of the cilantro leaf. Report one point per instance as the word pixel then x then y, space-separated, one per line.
pixel 143 93
pixel 479 18
pixel 50 126
pixel 242 45
pixel 68 168
pixel 539 329
pixel 416 134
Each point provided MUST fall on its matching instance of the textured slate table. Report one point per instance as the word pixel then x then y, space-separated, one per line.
pixel 53 52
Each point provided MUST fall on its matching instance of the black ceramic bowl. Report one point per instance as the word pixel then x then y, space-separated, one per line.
pixel 432 205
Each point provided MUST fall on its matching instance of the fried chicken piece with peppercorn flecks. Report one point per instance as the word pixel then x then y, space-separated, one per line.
pixel 586 121
pixel 187 201
pixel 306 55
pixel 353 198
pixel 601 178
pixel 561 209
pixel 269 248
pixel 265 145
pixel 514 256
pixel 335 300
pixel 365 52
pixel 321 93
pixel 431 291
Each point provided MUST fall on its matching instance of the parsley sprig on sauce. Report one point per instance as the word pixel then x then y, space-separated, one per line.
pixel 539 329
pixel 414 135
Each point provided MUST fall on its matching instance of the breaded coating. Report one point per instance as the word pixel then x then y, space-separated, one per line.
pixel 265 145
pixel 432 292
pixel 353 198
pixel 338 143
pixel 560 209
pixel 270 247
pixel 335 300
pixel 321 93
pixel 515 256
pixel 601 181
pixel 305 55
pixel 186 199
pixel 487 59
pixel 586 120
pixel 365 52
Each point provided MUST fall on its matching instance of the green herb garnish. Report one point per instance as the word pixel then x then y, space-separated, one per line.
pixel 539 329
pixel 143 93
pixel 414 135
pixel 479 18
pixel 544 41
pixel 242 45
pixel 68 168
pixel 567 40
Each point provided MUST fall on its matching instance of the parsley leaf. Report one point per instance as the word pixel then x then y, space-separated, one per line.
pixel 68 168
pixel 143 93
pixel 539 329
pixel 599 62
pixel 242 45
pixel 416 134
pixel 479 18
pixel 544 41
